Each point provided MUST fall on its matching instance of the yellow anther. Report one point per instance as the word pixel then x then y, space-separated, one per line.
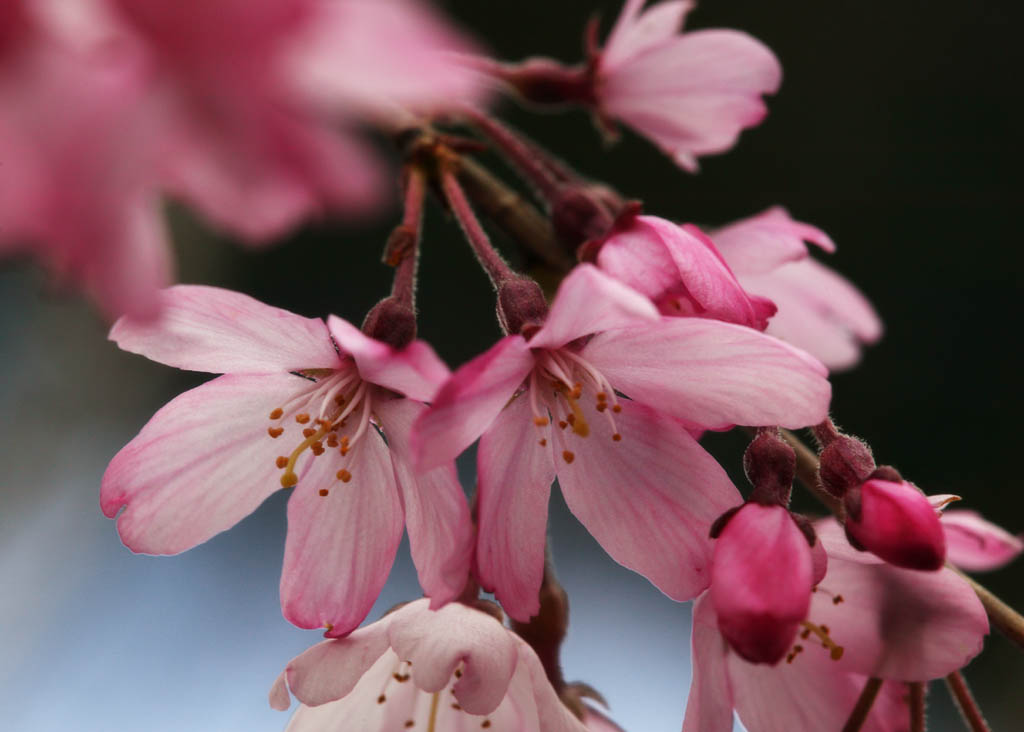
pixel 576 419
pixel 275 432
pixel 323 491
pixel 822 632
pixel 302 418
pixel 344 476
pixel 276 414
pixel 540 421
pixel 568 456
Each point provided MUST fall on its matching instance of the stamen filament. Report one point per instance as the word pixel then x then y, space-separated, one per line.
pixel 835 650
pixel 288 478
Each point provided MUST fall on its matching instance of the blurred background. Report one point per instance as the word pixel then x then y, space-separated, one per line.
pixel 896 130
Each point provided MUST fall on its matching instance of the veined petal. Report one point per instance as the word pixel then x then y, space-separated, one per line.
pixel 709 705
pixel 713 374
pixel 514 476
pixel 469 401
pixel 649 498
pixel 552 714
pixel 360 709
pixel 220 331
pixel 415 371
pixel 436 513
pixel 341 546
pixel 634 33
pixel 766 241
pixel 331 669
pixel 589 301
pixel 200 465
pixel 974 544
pixel 437 641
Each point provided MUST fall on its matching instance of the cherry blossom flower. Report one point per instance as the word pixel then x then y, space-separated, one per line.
pixel 690 93
pixel 456 668
pixel 895 520
pixel 680 269
pixel 304 404
pixel 974 544
pixel 549 405
pixel 867 619
pixel 818 309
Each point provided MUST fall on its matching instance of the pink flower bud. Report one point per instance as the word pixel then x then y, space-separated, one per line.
pixel 895 521
pixel 761 579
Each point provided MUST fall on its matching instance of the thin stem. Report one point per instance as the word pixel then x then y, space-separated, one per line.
pixel 523 156
pixel 489 259
pixel 807 472
pixel 547 629
pixel 917 706
pixel 402 250
pixel 862 708
pixel 965 703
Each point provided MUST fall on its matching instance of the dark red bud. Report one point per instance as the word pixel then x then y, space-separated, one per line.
pixel 580 214
pixel 391 322
pixel 845 463
pixel 770 465
pixel 521 306
pixel 547 82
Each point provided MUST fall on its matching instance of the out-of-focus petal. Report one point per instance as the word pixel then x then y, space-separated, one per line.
pixel 764 242
pixel 634 32
pixel 712 373
pixel 974 544
pixel 221 331
pixel 710 702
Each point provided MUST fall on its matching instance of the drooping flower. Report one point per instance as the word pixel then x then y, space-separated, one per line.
pixel 974 544
pixel 549 405
pixel 304 404
pixel 690 93
pixel 680 269
pixel 867 619
pixel 818 310
pixel 450 669
pixel 895 520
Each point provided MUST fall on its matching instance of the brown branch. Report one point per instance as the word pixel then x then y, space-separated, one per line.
pixel 862 708
pixel 965 703
pixel 917 706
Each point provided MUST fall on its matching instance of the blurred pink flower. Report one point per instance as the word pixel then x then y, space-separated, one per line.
pixel 209 457
pixel 818 310
pixel 680 269
pixel 974 544
pixel 867 619
pixel 423 669
pixel 628 468
pixel 690 93
pixel 896 521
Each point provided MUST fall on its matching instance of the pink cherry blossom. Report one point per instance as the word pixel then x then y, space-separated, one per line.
pixel 548 406
pixel 680 269
pixel 867 619
pixel 449 669
pixel 301 403
pixel 895 520
pixel 974 544
pixel 761 577
pixel 818 310
pixel 690 93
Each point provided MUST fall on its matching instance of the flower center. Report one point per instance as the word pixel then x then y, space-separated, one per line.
pixel 323 411
pixel 443 709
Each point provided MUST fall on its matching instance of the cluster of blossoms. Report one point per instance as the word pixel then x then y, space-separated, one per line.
pixel 257 115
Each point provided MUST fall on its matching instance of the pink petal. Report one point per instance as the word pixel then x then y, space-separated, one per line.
pixel 819 311
pixel 974 544
pixel 360 708
pixel 415 371
pixel 761 577
pixel 634 33
pixel 278 697
pixel 469 401
pixel 895 623
pixel 713 374
pixel 654 489
pixel 331 669
pixel 211 329
pixel 437 641
pixel 341 546
pixel 764 242
pixel 595 721
pixel 589 301
pixel 437 518
pixel 552 714
pixel 514 476
pixel 711 699
pixel 201 464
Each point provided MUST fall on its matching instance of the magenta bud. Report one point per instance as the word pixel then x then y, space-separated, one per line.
pixel 895 521
pixel 845 463
pixel 391 322
pixel 770 465
pixel 581 213
pixel 761 577
pixel 521 306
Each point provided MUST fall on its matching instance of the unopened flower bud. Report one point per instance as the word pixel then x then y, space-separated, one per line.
pixel 895 521
pixel 547 82
pixel 584 212
pixel 521 306
pixel 846 462
pixel 391 322
pixel 770 465
pixel 761 578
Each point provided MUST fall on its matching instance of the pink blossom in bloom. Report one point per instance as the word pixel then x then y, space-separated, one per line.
pixel 761 578
pixel 818 309
pixel 680 269
pixel 78 189
pixel 974 544
pixel 301 403
pixel 455 668
pixel 548 406
pixel 690 93
pixel 896 521
pixel 867 619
